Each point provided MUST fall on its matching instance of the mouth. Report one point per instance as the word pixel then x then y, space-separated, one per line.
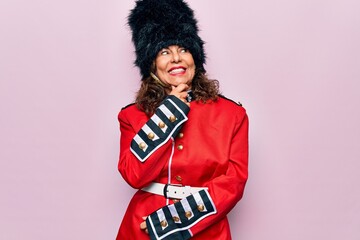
pixel 177 70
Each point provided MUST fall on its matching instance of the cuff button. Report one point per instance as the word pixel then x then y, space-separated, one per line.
pixel 172 118
pixel 142 145
pixel 151 136
pixel 163 223
pixel 201 208
pixel 161 124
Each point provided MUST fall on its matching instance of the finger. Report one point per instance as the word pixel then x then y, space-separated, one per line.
pixel 174 91
pixel 143 225
pixel 182 87
pixel 183 95
pixel 180 92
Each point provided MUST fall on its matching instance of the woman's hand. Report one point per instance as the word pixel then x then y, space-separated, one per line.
pixel 180 92
pixel 143 225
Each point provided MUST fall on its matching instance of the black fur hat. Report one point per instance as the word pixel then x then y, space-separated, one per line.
pixel 156 24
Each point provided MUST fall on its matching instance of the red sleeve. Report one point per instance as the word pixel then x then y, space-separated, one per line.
pixel 146 148
pixel 226 190
pixel 136 173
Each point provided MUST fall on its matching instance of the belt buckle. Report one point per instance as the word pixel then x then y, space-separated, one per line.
pixel 176 191
pixel 166 188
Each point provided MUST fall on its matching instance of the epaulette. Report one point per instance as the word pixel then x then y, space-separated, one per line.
pixel 237 103
pixel 127 106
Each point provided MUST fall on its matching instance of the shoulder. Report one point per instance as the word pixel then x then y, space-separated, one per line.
pixel 231 109
pixel 130 110
pixel 230 100
pixel 229 103
pixel 127 106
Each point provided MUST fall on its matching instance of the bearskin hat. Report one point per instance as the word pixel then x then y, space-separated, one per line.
pixel 156 24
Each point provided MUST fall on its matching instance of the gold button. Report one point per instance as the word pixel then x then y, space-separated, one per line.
pixel 176 218
pixel 180 147
pixel 163 223
pixel 179 178
pixel 172 118
pixel 142 145
pixel 188 214
pixel 176 200
pixel 151 135
pixel 201 207
pixel 181 135
pixel 162 124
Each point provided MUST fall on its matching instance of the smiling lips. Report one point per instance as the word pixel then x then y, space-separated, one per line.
pixel 177 70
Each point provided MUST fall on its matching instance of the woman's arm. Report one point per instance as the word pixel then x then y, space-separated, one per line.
pixel 226 190
pixel 144 151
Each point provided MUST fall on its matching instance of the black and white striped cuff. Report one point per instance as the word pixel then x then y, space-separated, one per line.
pixel 165 123
pixel 175 220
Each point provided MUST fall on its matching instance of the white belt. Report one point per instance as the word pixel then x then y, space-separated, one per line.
pixel 172 191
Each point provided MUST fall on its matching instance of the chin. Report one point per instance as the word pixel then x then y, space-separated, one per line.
pixel 180 81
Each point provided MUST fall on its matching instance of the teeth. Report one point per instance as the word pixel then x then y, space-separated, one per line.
pixel 177 70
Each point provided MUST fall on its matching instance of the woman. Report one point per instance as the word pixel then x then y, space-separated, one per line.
pixel 184 146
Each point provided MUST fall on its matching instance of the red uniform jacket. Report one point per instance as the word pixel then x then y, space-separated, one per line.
pixel 207 146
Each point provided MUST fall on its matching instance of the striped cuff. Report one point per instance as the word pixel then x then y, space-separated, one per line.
pixel 165 123
pixel 174 221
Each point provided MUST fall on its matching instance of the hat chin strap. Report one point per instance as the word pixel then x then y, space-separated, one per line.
pixel 158 81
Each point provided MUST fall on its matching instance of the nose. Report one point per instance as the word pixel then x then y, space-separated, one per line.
pixel 176 57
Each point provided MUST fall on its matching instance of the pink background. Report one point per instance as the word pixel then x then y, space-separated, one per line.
pixel 66 70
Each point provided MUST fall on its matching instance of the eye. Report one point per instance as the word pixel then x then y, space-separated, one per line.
pixel 164 52
pixel 183 50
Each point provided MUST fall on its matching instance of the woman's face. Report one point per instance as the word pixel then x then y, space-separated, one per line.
pixel 175 65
